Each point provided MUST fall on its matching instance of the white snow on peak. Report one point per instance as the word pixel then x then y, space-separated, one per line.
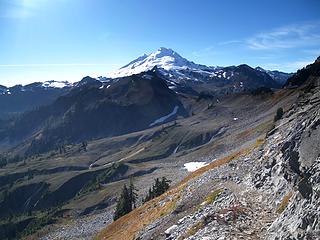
pixel 162 119
pixel 55 84
pixel 193 166
pixel 164 58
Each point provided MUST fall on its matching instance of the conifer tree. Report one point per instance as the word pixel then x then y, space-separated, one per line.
pixel 124 205
pixel 126 202
pixel 279 114
pixel 132 194
pixel 159 187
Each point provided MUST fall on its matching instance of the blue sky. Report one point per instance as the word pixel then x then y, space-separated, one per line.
pixel 68 39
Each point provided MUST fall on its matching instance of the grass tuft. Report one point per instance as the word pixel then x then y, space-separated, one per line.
pixel 284 203
pixel 213 196
pixel 193 230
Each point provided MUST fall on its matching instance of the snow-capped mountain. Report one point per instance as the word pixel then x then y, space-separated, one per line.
pixel 176 69
pixel 179 70
pixel 163 58
pixel 180 74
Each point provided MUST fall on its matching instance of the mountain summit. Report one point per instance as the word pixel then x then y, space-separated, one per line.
pixel 163 58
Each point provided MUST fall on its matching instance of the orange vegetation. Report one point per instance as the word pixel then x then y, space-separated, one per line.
pixel 128 226
pixel 284 203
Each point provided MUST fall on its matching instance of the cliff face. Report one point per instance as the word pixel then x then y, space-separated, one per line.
pixel 292 169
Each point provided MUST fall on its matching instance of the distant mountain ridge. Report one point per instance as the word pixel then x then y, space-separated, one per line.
pixel 280 77
pixel 93 111
pixel 34 86
pixel 170 62
pixel 17 99
pixel 179 69
pixel 180 74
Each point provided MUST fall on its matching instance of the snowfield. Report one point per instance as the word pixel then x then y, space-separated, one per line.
pixel 162 119
pixel 193 166
pixel 56 84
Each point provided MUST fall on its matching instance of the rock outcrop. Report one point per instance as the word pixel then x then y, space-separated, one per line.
pixel 291 171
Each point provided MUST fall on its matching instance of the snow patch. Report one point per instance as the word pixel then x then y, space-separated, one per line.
pixel 224 74
pixel 193 166
pixel 162 119
pixel 104 86
pixel 55 84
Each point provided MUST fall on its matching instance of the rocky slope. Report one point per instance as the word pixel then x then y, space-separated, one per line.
pixel 292 153
pixel 265 189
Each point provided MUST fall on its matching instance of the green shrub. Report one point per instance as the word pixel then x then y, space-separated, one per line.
pixel 213 196
pixel 279 114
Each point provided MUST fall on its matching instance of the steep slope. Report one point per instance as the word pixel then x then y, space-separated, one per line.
pixel 96 110
pixel 18 99
pixel 303 75
pixel 292 163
